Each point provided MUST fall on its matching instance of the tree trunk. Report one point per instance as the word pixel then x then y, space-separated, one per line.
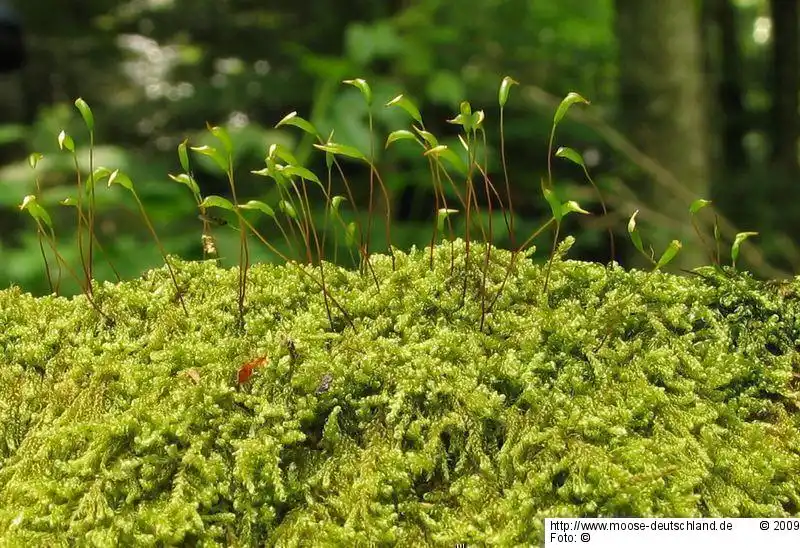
pixel 663 108
pixel 785 85
pixel 730 89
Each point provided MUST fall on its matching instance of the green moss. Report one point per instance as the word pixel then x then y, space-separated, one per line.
pixel 617 394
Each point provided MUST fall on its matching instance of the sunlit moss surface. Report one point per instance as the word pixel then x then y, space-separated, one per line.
pixel 618 394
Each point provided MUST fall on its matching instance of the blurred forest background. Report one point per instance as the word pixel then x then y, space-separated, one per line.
pixel 690 99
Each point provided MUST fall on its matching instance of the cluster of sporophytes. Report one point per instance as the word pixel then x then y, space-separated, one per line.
pixel 452 174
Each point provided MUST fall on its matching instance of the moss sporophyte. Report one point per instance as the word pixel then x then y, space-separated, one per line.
pixel 456 393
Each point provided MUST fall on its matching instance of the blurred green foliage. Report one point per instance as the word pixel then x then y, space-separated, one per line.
pixel 156 71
